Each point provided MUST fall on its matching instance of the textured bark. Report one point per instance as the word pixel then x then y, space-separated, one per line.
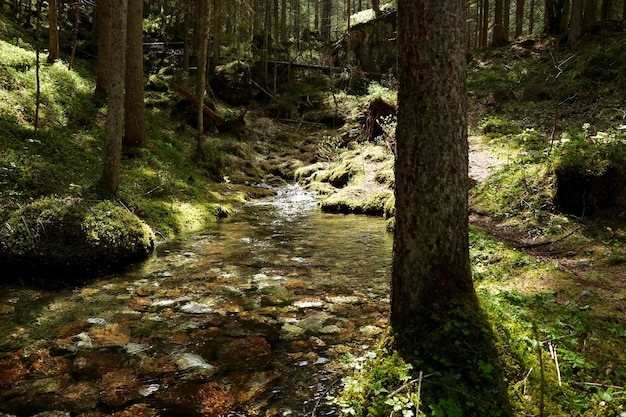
pixel 431 269
pixel 103 79
pixel 134 108
pixel 115 112
pixel 53 30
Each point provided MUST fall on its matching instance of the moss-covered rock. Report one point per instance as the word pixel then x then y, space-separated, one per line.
pixel 56 232
pixel 233 82
pixel 358 201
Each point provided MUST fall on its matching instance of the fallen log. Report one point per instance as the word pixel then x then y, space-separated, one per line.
pixel 325 68
pixel 205 109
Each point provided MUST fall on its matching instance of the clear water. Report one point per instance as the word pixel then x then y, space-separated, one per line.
pixel 248 317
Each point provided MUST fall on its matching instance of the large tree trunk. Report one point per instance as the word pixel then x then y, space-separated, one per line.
pixel 435 316
pixel 103 80
pixel 431 266
pixel 115 112
pixel 135 120
pixel 53 30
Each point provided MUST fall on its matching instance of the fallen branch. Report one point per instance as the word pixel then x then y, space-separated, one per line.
pixel 205 109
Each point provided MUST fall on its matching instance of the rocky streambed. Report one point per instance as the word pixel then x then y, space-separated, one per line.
pixel 251 316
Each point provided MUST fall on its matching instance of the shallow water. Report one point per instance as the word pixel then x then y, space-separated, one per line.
pixel 248 317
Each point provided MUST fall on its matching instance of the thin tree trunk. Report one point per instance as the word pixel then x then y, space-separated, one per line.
pixel 103 80
pixel 37 69
pixel 283 22
pixel 575 25
pixel 589 15
pixel 186 45
pixel 498 37
pixel 531 17
pixel 53 31
pixel 485 25
pixel 135 120
pixel 606 11
pixel 203 29
pixel 115 113
pixel 519 18
pixel 75 32
pixel 506 24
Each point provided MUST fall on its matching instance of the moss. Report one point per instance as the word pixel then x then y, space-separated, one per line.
pixel 61 232
pixel 357 200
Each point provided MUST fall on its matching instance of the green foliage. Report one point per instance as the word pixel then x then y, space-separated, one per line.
pixel 591 153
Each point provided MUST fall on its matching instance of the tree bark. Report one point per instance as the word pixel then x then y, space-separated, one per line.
pixel 589 15
pixel 53 31
pixel 575 24
pixel 435 315
pixel 283 22
pixel 135 116
pixel 103 79
pixel 115 113
pixel 484 29
pixel 203 29
pixel 499 37
pixel 431 268
pixel 519 18
pixel 531 17
pixel 606 10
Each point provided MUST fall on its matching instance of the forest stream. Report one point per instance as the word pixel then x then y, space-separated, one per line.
pixel 251 316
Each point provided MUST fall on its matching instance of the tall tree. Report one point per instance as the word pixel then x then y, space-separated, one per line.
pixel 519 18
pixel 575 24
pixel 606 10
pixel 53 31
pixel 103 79
pixel 484 28
pixel 134 108
pixel 435 315
pixel 499 33
pixel 115 113
pixel 203 30
pixel 553 15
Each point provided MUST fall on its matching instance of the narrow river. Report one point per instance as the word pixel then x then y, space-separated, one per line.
pixel 251 316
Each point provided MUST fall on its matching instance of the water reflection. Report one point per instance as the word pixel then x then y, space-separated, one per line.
pixel 248 317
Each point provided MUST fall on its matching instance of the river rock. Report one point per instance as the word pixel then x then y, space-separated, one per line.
pixel 276 295
pixel 192 399
pixel 252 352
pixel 249 387
pixel 314 323
pixel 192 362
pixel 289 332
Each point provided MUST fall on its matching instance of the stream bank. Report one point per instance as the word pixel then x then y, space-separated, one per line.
pixel 250 316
